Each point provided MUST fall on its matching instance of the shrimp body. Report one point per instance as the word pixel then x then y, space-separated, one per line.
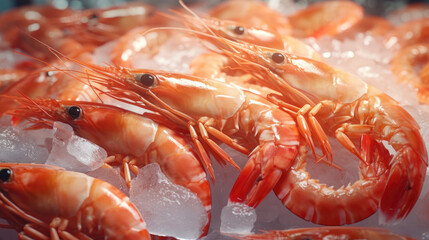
pixel 128 134
pixel 323 233
pixel 403 66
pixel 69 203
pixel 325 18
pixel 346 107
pixel 412 32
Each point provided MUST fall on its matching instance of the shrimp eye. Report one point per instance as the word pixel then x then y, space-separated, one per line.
pixel 93 16
pixel 5 174
pixel 74 112
pixel 277 57
pixel 147 79
pixel 239 30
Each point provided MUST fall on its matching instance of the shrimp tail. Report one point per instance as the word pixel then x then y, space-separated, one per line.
pixel 403 186
pixel 261 173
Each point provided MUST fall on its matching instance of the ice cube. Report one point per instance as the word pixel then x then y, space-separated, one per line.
pixel 112 176
pixel 237 218
pixel 17 146
pixel 72 152
pixel 168 209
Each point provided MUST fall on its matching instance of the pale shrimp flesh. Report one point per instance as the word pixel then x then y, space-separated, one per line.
pixel 327 18
pixel 347 108
pixel 132 140
pixel 47 202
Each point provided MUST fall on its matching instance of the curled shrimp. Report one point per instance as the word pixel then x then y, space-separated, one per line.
pixel 323 233
pixel 347 108
pixel 45 202
pixel 325 18
pixel 252 13
pixel 405 62
pixel 133 141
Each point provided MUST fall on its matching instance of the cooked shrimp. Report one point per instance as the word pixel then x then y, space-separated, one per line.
pixel 135 41
pixel 325 18
pixel 318 203
pixel 373 25
pixel 405 64
pixel 409 33
pixel 409 12
pixel 206 27
pixel 136 141
pixel 54 203
pixel 324 233
pixel 252 13
pixel 346 107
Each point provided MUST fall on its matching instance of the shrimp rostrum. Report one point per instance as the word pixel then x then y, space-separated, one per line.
pixel 347 108
pixel 47 202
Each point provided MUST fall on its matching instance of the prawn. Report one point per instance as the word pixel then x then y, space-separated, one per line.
pixel 405 62
pixel 131 140
pixel 409 33
pixel 252 13
pixel 325 18
pixel 45 202
pixel 346 107
pixel 236 31
pixel 242 120
pixel 323 233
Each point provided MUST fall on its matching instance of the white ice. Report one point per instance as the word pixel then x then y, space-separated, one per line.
pixel 237 218
pixel 168 209
pixel 72 152
pixel 19 145
pixel 112 176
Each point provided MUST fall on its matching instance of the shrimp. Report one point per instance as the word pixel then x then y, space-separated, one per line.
pixel 99 26
pixel 242 120
pixel 318 203
pixel 346 107
pixel 374 25
pixel 408 13
pixel 136 41
pixel 409 33
pixel 323 233
pixel 236 31
pixel 9 76
pixel 252 13
pixel 53 203
pixel 325 18
pixel 132 140
pixel 405 62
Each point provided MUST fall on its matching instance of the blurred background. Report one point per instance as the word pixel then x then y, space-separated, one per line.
pixel 373 7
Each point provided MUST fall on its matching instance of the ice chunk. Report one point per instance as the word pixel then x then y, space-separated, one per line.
pixel 168 209
pixel 18 145
pixel 110 175
pixel 72 152
pixel 237 218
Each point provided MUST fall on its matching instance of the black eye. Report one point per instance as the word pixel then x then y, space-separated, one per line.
pixel 278 57
pixel 239 30
pixel 5 174
pixel 147 79
pixel 93 16
pixel 74 112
